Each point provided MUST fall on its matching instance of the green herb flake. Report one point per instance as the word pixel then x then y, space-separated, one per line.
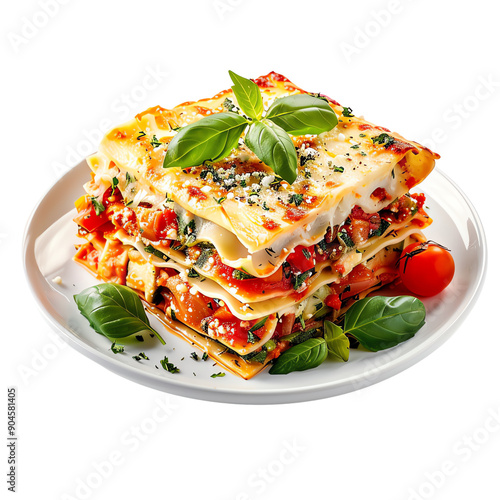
pixel 117 348
pixel 219 374
pixel 355 146
pixel 384 140
pixel 141 135
pixel 258 325
pixel 295 199
pixel 155 142
pixel 238 274
pixel 252 338
pixel 204 357
pixel 98 206
pixel 192 273
pixel 219 200
pixel 347 112
pixel 169 367
pixel 338 169
pixel 300 279
pixel 129 178
pixel 194 356
pixel 346 239
pixel 140 356
pixel 114 184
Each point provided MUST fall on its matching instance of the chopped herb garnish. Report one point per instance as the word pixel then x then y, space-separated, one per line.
pixel 229 105
pixel 362 153
pixel 141 135
pixel 206 253
pixel 150 249
pixel 238 274
pixel 252 338
pixel 129 178
pixel 338 169
pixel 116 348
pixel 219 200
pixel 355 146
pixel 204 357
pixel 172 314
pixel 140 356
pixel 264 206
pixel 98 206
pixel 114 183
pixel 295 199
pixel 346 239
pixel 362 135
pixel 384 139
pixel 193 274
pixel 258 325
pixel 302 322
pixel 306 253
pixel 347 112
pixel 384 224
pixel 194 355
pixel 299 279
pixel 155 142
pixel 169 367
pixel 220 374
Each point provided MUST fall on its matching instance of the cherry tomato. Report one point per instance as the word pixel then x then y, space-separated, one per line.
pixel 163 222
pixel 87 217
pixel 426 268
pixel 302 258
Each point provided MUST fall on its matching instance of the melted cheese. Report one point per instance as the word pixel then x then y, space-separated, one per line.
pixel 237 228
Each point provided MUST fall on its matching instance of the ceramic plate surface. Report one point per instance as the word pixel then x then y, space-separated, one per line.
pixel 49 247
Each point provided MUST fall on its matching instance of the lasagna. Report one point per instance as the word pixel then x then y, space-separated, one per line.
pixel 234 258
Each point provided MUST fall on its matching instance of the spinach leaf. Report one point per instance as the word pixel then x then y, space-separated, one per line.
pixel 383 322
pixel 114 311
pixel 304 356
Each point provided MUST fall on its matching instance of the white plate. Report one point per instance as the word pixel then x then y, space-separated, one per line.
pixel 48 249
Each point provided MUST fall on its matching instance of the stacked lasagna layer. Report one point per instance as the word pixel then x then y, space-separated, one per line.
pixel 241 257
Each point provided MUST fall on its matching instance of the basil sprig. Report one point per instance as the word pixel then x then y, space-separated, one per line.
pixel 305 356
pixel 336 341
pixel 248 95
pixel 214 137
pixel 114 311
pixel 211 138
pixel 274 147
pixel 376 322
pixel 302 114
pixel 382 322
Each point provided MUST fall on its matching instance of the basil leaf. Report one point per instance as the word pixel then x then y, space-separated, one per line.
pixel 337 342
pixel 248 96
pixel 302 114
pixel 300 357
pixel 274 147
pixel 211 138
pixel 114 311
pixel 382 322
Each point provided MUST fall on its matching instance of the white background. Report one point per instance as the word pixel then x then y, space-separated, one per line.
pixel 417 67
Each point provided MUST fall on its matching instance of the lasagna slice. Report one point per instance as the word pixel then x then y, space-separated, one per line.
pixel 230 256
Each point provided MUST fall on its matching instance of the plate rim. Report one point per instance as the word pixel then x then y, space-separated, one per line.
pixel 258 396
